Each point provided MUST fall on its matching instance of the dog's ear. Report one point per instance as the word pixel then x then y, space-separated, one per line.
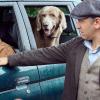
pixel 62 23
pixel 38 21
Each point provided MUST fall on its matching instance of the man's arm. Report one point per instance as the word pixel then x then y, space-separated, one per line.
pixel 34 57
pixel 49 55
pixel 41 56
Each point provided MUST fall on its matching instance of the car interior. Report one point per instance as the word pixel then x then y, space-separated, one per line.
pixel 9 31
pixel 7 22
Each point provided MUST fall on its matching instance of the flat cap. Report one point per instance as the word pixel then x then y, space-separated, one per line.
pixel 86 8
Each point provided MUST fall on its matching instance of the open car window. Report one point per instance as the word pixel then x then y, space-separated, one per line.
pixel 31 10
pixel 67 34
pixel 12 27
pixel 7 24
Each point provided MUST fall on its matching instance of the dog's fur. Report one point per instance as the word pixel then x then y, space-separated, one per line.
pixel 50 23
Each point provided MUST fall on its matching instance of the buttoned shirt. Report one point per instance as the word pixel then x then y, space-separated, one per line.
pixel 93 54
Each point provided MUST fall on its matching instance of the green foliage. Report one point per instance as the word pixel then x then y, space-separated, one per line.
pixel 32 11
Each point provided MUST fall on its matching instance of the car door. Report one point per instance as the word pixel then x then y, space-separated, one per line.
pixel 17 82
pixel 51 76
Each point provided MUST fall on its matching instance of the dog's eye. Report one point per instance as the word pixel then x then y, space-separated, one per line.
pixel 52 15
pixel 43 15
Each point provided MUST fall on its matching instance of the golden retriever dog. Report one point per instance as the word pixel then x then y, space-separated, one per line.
pixel 50 23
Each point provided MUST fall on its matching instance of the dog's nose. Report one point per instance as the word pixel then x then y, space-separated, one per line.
pixel 45 25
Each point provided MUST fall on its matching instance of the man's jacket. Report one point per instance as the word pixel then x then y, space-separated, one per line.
pixel 71 52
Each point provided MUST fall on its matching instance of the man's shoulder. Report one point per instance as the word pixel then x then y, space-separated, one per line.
pixel 75 40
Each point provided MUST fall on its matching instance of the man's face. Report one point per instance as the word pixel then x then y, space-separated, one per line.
pixel 86 28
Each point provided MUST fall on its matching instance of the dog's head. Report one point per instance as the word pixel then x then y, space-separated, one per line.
pixel 49 19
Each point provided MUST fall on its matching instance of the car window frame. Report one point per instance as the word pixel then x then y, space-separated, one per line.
pixel 38 3
pixel 20 23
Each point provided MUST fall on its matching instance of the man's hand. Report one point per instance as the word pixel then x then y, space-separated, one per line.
pixel 3 61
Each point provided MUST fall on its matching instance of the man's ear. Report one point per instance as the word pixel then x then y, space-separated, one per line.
pixel 97 22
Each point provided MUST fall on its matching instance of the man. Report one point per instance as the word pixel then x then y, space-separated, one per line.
pixel 82 79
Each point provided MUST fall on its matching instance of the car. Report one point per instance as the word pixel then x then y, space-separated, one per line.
pixel 41 82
